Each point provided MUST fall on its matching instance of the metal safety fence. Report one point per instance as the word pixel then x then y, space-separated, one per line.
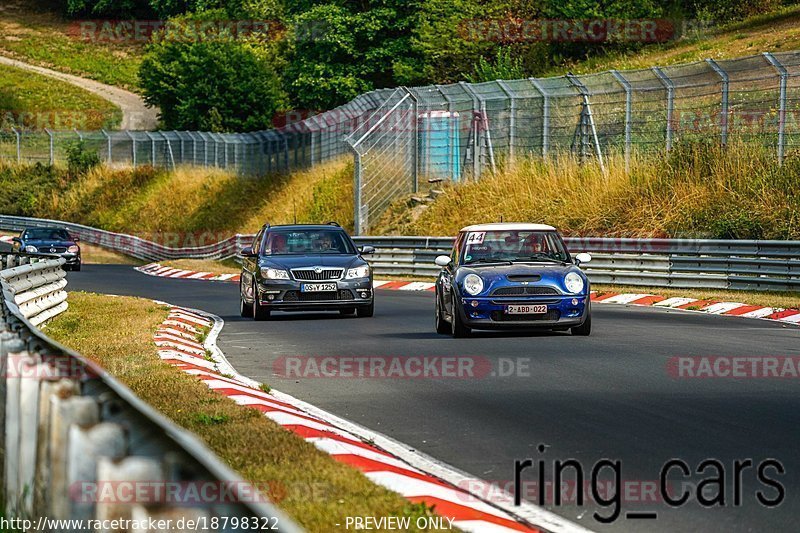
pixel 461 131
pixel 78 445
pixel 681 263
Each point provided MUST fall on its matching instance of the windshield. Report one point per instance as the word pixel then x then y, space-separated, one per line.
pixel 305 242
pixel 522 246
pixel 45 234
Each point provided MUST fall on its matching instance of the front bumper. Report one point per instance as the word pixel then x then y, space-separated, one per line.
pixel 563 311
pixel 72 259
pixel 287 295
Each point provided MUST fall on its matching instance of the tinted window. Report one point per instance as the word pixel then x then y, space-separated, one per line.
pixel 300 242
pixel 46 235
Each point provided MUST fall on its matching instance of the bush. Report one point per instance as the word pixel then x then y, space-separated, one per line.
pixel 79 159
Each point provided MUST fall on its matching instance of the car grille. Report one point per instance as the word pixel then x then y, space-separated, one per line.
pixel 525 291
pixel 524 277
pixel 500 316
pixel 55 249
pixel 311 275
pixel 338 296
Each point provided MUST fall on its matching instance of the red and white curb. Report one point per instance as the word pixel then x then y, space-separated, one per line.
pixel 417 477
pixel 155 269
pixel 6 238
pixel 786 316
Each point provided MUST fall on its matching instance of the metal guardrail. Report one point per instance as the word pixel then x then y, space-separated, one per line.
pixel 76 440
pixel 680 263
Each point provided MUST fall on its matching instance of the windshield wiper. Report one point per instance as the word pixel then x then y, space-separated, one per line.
pixel 487 260
pixel 541 256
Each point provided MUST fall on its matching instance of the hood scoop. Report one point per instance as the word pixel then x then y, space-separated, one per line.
pixel 519 278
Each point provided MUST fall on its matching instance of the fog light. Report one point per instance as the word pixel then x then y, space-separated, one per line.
pixel 474 303
pixel 270 297
pixel 574 301
pixel 364 295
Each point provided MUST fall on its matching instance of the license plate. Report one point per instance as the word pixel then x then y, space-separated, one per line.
pixel 318 287
pixel 526 309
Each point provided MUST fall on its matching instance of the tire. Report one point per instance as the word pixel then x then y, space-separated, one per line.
pixel 458 329
pixel 442 327
pixel 585 329
pixel 366 311
pixel 348 311
pixel 245 309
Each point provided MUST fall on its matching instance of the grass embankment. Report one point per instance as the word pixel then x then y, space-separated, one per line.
pixel 149 202
pixel 696 191
pixel 32 101
pixel 773 32
pixel 36 33
pixel 315 490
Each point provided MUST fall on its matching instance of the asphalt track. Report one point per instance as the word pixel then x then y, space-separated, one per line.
pixel 586 398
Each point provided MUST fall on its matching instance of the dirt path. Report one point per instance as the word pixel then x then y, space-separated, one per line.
pixel 135 115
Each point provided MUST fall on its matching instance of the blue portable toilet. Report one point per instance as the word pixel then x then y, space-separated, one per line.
pixel 439 144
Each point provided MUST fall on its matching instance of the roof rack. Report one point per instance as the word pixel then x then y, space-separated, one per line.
pixel 332 223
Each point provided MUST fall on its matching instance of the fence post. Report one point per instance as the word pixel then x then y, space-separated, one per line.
pixel 52 150
pixel 670 87
pixel 628 111
pixel 108 146
pixel 512 119
pixel 152 148
pixel 723 125
pixel 782 104
pixel 133 147
pixel 545 115
pixel 584 92
pixel 415 141
pixel 19 144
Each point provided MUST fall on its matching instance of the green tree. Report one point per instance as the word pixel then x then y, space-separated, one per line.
pixel 213 85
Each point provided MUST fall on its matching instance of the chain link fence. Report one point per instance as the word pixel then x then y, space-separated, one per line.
pixel 406 137
pixel 296 145
pixel 461 131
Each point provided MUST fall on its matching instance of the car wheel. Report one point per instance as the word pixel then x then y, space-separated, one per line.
pixel 348 311
pixel 366 311
pixel 584 329
pixel 442 327
pixel 245 309
pixel 458 329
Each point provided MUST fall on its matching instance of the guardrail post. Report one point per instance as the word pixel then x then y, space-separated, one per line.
pixel 670 87
pixel 85 446
pixel 31 370
pixel 725 90
pixel 628 112
pixel 784 74
pixel 545 115
pixel 130 470
pixel 64 412
pixel 11 471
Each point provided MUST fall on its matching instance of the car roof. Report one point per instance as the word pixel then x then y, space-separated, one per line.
pixel 508 226
pixel 305 226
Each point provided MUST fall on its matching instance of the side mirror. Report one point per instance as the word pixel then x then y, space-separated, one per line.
pixel 76 239
pixel 442 260
pixel 582 257
pixel 247 252
pixel 364 250
pixel 16 240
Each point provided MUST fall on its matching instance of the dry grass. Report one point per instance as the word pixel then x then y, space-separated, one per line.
pixel 773 32
pixel 696 191
pixel 91 254
pixel 306 483
pixel 203 200
pixel 228 266
pixel 785 300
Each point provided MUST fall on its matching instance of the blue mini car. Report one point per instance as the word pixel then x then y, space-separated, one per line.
pixel 505 276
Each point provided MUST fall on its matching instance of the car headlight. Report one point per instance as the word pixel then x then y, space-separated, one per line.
pixel 31 249
pixel 473 284
pixel 358 272
pixel 73 249
pixel 574 283
pixel 274 273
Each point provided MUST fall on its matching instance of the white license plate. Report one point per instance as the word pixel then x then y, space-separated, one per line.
pixel 318 287
pixel 526 309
